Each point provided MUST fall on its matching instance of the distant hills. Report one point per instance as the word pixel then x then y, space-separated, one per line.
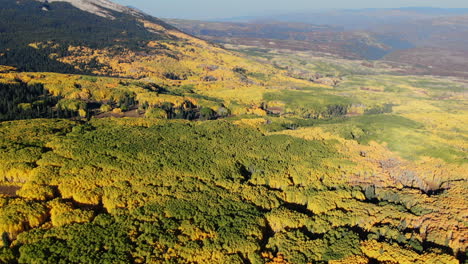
pixel 357 18
pixel 414 36
pixel 297 36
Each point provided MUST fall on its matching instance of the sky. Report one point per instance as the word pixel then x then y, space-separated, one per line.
pixel 215 9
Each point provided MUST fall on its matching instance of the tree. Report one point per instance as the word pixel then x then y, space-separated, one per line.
pixel 154 112
pixel 207 113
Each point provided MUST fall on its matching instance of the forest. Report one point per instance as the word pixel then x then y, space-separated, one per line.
pixel 125 140
pixel 23 101
pixel 300 175
pixel 65 26
pixel 152 191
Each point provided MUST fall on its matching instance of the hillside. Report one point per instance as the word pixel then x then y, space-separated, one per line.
pixel 35 34
pixel 126 140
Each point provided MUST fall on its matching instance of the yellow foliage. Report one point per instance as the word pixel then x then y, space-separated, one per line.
pixel 195 59
pixel 18 215
pixel 257 111
pixel 351 260
pixel 80 193
pixel 117 111
pixel 158 99
pixel 153 26
pixel 441 226
pixel 15 172
pixel 6 69
pixel 281 218
pixel 82 113
pixel 105 108
pixel 356 110
pixel 387 253
pixel 34 45
pixel 254 122
pixel 278 259
pixel 319 205
pixel 64 214
pixel 36 192
pixel 193 232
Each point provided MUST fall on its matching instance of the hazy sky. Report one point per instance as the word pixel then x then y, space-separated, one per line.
pixel 209 9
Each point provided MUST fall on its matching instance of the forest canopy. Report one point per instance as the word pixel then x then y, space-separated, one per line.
pixel 154 190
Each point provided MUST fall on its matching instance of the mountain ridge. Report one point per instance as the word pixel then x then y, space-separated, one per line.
pixel 62 24
pixel 97 7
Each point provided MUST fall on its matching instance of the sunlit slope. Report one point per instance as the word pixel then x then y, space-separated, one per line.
pixel 151 190
pixel 158 147
pixel 370 169
pixel 171 67
pixel 27 23
pixel 58 37
pixel 86 96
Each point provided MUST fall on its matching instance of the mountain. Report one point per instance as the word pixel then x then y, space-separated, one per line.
pixel 102 8
pixel 105 39
pixel 92 24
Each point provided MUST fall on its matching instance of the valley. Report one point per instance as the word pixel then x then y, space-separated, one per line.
pixel 124 139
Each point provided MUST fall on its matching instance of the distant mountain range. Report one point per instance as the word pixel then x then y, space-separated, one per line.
pixel 357 18
pixel 419 36
pixel 297 36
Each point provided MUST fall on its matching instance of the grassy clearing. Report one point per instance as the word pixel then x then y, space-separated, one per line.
pixel 412 140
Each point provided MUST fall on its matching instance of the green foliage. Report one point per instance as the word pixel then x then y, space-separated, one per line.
pixel 207 114
pixel 299 247
pixel 371 126
pixel 310 103
pixel 101 241
pixel 386 108
pixel 342 243
pixel 259 76
pixel 23 101
pixel 170 173
pixel 190 192
pixel 152 190
pixel 7 255
pixel 409 138
pixel 156 113
pixel 239 70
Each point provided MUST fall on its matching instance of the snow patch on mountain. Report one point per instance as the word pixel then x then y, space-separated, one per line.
pixel 98 7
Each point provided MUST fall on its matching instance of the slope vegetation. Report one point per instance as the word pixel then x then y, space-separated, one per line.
pixel 137 143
